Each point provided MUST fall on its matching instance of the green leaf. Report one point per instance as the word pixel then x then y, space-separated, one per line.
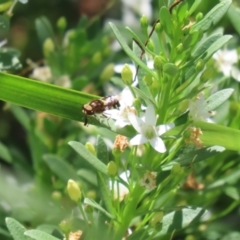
pixel 103 184
pixel 59 167
pixel 4 153
pixel 194 156
pixel 205 44
pixel 39 235
pixel 232 192
pixel 166 21
pixel 234 16
pixel 214 134
pixel 16 229
pixel 179 219
pixel 21 115
pixel 218 98
pixel 92 203
pixel 4 23
pixel 44 29
pixel 9 59
pixel 216 46
pixel 213 16
pixel 88 176
pixel 89 157
pixel 43 97
pixel 194 6
pixel 102 150
pixel 228 179
pixel 141 73
pixel 170 69
pixel 129 52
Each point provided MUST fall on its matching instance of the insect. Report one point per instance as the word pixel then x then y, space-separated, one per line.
pixel 98 106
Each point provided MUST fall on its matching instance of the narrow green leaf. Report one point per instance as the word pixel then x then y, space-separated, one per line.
pixel 89 157
pixel 4 153
pixel 21 115
pixel 4 23
pixel 129 52
pixel 218 98
pixel 92 203
pixel 103 184
pixel 61 168
pixel 228 179
pixel 166 21
pixel 16 229
pixel 43 97
pixel 44 29
pixel 216 46
pixel 214 134
pixel 232 192
pixel 234 16
pixel 170 69
pixel 198 155
pixel 102 150
pixel 88 176
pixel 39 235
pixel 179 219
pixel 213 16
pixel 205 44
pixel 9 59
pixel 194 6
pixel 141 73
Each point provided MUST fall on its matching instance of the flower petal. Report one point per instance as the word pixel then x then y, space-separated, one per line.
pixel 150 117
pixel 161 129
pixel 158 144
pixel 120 123
pixel 138 139
pixel 136 122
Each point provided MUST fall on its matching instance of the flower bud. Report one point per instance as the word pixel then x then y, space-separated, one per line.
pixel 199 17
pixel 137 104
pixel 107 73
pixel 91 148
pixel 97 58
pixel 48 47
pixel 200 65
pixel 65 226
pixel 157 218
pixel 127 75
pixel 157 63
pixel 91 194
pixel 56 196
pixel 112 169
pixel 74 191
pixel 62 23
pixel 179 48
pixel 158 28
pixel 148 80
pixel 150 45
pixel 207 74
pixel 144 24
pixel 5 6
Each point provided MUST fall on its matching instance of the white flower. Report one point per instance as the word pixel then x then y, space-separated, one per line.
pixel 198 109
pixel 121 114
pixel 42 73
pixel 64 81
pixel 226 59
pixel 120 190
pixel 149 180
pixel 148 131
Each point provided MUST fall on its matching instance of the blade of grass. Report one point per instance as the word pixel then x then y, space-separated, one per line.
pixel 44 97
